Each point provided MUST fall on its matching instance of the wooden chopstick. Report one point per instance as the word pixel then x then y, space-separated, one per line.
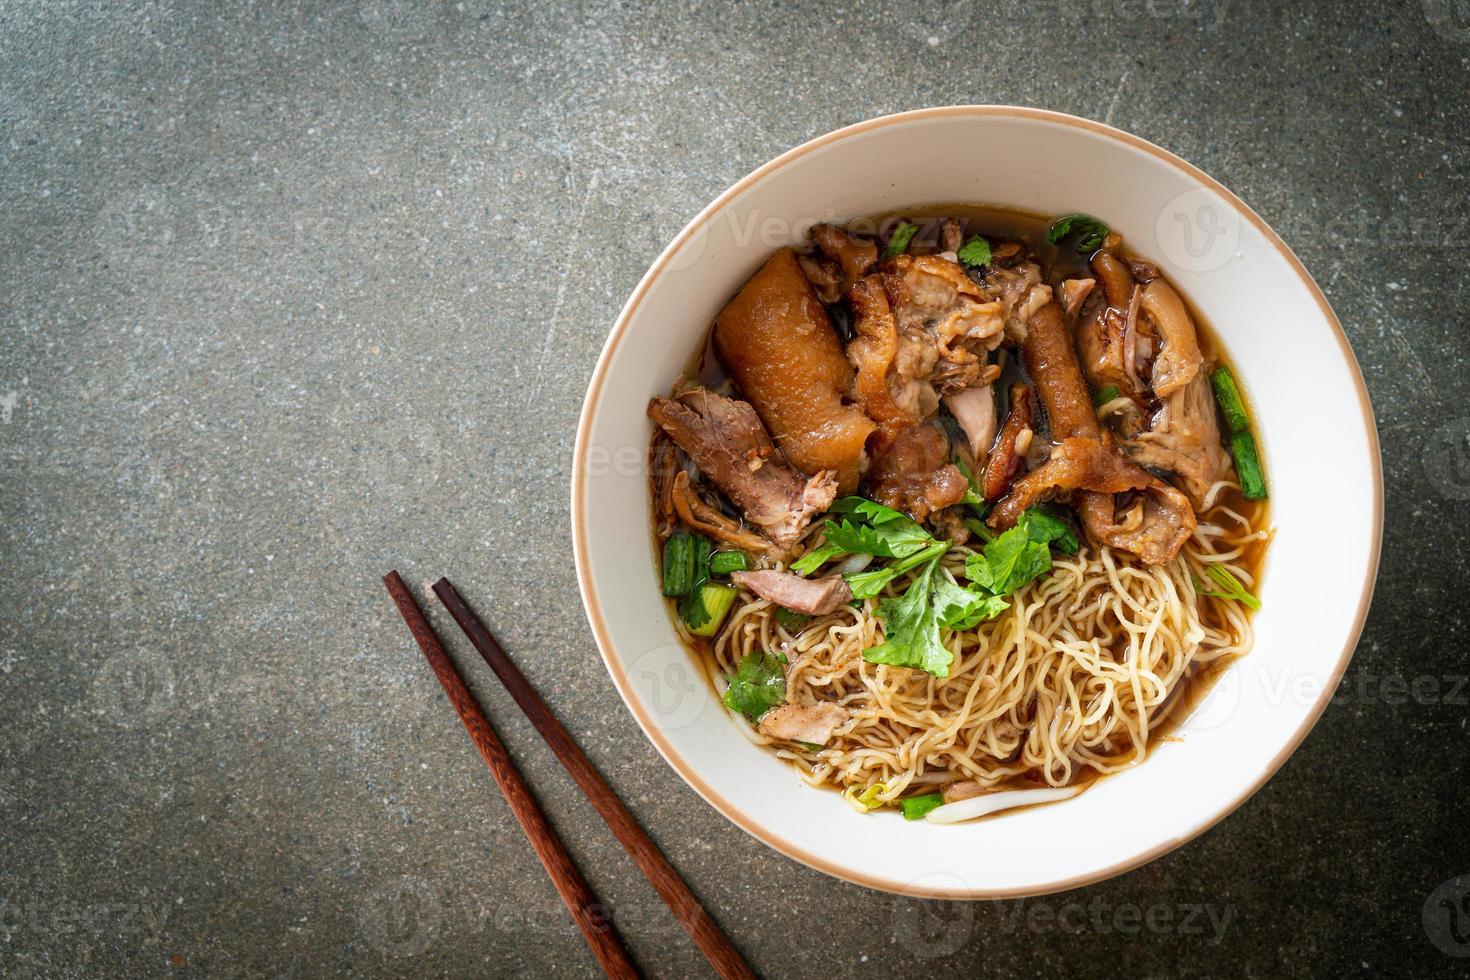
pixel 703 929
pixel 581 903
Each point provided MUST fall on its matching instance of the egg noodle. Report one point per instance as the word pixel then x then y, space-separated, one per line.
pixel 1071 681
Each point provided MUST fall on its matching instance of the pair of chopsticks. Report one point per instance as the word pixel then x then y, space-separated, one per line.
pixel 606 945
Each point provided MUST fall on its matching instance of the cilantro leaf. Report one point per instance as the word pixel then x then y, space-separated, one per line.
pixel 868 510
pixel 1091 231
pixel 793 621
pixel 865 585
pixel 894 539
pixel 898 242
pixel 975 253
pixel 972 495
pixel 962 609
pixel 816 558
pixel 757 686
pixel 1009 562
pixel 1046 527
pixel 911 630
pixel 875 530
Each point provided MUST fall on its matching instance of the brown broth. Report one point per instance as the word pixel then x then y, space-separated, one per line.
pixel 998 223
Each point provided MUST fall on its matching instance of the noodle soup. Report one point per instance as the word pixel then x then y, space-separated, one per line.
pixel 959 509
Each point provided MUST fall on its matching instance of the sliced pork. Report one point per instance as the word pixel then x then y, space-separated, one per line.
pixel 727 442
pixel 811 723
pixel 813 596
pixel 779 345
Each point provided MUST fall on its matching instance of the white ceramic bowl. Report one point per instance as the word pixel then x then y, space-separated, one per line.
pixel 1314 421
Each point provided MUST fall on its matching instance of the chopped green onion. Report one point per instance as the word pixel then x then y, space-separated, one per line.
pixel 898 242
pixel 1232 406
pixel 702 548
pixel 914 807
pixel 975 253
pixel 792 621
pixel 1248 466
pixel 1091 231
pixel 678 564
pixel 725 562
pixel 713 604
pixel 811 746
pixel 1105 394
pixel 1233 589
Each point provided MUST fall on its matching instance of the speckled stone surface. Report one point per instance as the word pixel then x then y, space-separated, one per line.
pixel 296 294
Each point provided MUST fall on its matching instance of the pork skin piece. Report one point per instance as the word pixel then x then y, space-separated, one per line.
pixel 779 345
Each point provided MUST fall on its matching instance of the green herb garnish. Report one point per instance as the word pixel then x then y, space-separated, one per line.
pixel 1021 554
pixel 1231 586
pixel 972 493
pixel 816 558
pixel 963 609
pixel 866 585
pixel 898 242
pixel 1248 466
pixel 873 529
pixel 911 630
pixel 1049 527
pixel 757 686
pixel 975 253
pixel 1091 231
pixel 793 621
pixel 1105 394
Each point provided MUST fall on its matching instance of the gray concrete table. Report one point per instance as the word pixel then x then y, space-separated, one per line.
pixel 296 294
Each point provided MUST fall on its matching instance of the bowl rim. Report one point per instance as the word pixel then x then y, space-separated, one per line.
pixel 732 811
